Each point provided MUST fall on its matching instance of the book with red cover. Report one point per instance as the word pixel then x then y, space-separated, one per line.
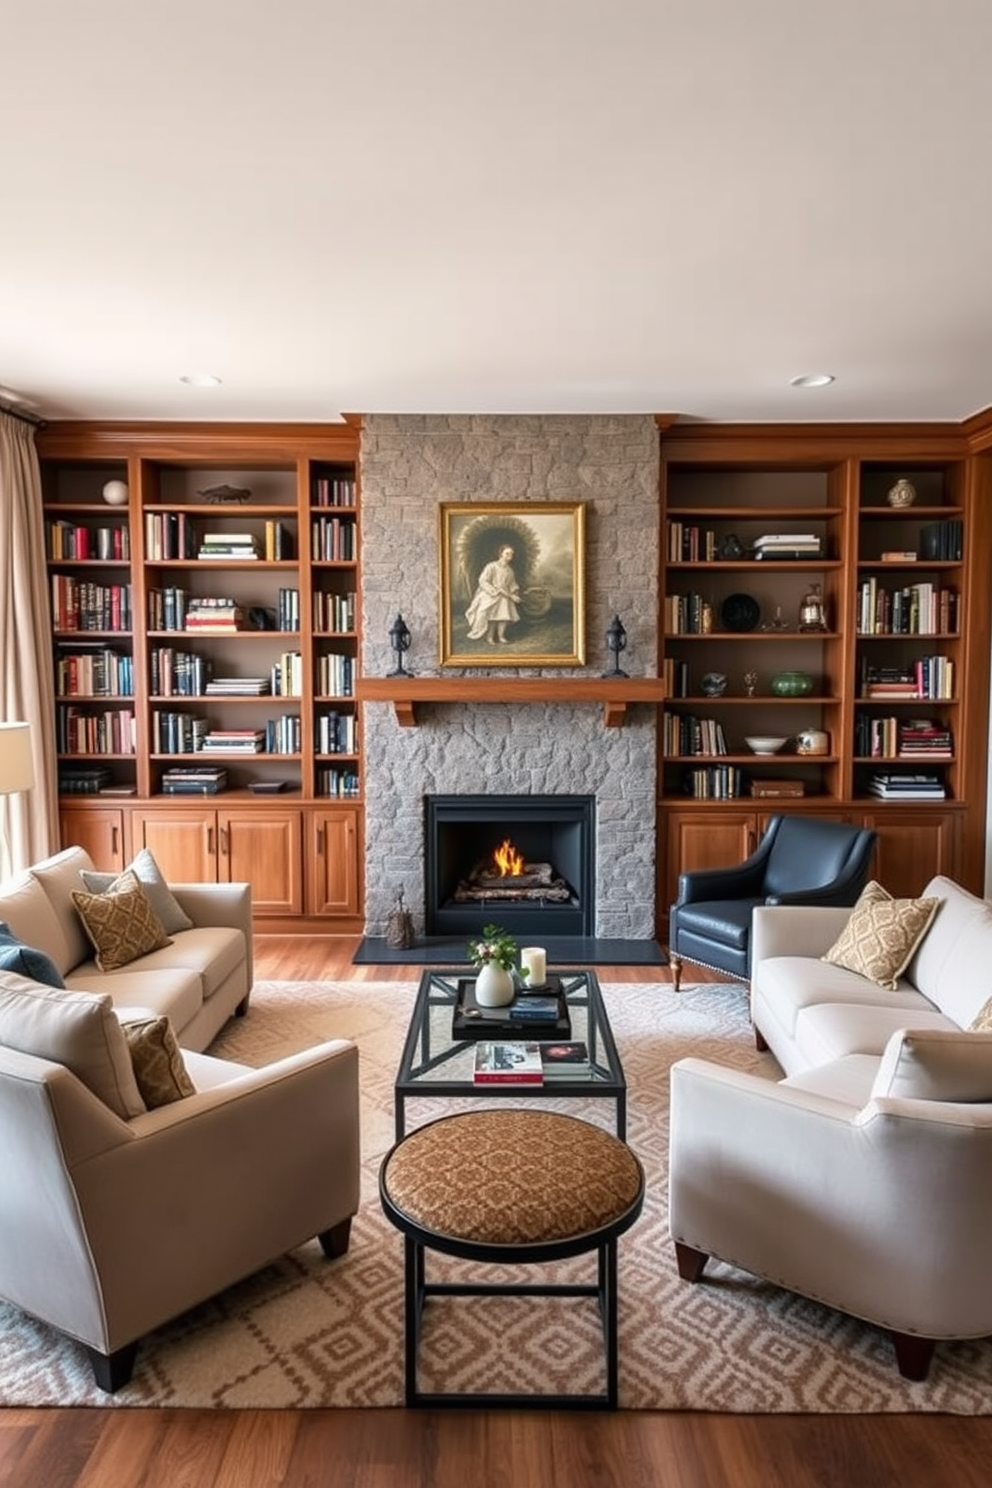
pixel 510 1063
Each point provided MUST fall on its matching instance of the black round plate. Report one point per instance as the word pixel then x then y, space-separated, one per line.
pixel 740 612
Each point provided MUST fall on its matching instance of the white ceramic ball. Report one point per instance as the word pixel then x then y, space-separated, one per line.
pixel 115 493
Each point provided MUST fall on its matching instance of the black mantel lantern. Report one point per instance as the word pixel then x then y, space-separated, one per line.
pixel 616 641
pixel 399 639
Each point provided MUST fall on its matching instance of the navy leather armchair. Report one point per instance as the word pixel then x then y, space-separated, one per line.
pixel 799 860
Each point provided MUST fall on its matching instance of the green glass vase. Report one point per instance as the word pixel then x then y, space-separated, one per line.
pixel 792 684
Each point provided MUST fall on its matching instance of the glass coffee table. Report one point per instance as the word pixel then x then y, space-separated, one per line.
pixel 435 1063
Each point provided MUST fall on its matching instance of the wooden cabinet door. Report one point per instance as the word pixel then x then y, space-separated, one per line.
pixel 334 862
pixel 265 849
pixel 100 832
pixel 184 843
pixel 703 839
pixel 912 846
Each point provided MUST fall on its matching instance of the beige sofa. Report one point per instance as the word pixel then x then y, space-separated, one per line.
pixel 862 1179
pixel 198 980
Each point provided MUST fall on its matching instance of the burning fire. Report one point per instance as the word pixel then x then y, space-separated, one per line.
pixel 509 863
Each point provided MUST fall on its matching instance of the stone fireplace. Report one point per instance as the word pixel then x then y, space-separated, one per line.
pixel 410 464
pixel 470 878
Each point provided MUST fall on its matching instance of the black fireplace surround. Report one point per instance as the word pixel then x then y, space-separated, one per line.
pixel 462 830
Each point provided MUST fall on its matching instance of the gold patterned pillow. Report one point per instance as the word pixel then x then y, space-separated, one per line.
pixel 882 934
pixel 120 923
pixel 982 1021
pixel 157 1061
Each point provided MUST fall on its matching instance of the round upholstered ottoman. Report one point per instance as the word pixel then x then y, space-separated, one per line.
pixel 517 1187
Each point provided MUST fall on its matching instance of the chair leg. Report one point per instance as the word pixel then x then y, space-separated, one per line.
pixel 242 1007
pixel 913 1354
pixel 113 1371
pixel 760 1042
pixel 676 964
pixel 690 1261
pixel 334 1242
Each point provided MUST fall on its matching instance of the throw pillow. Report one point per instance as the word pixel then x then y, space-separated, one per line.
pixel 163 901
pixel 121 923
pixel 27 960
pixel 157 1061
pixel 936 1064
pixel 982 1021
pixel 882 934
pixel 76 1029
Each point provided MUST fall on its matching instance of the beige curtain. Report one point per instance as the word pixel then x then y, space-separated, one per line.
pixel 29 822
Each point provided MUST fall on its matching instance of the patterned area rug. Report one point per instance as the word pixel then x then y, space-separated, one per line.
pixel 306 1332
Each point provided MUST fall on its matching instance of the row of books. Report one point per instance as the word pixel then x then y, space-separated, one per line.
pixel 287 675
pixel 333 540
pixel 173 673
pixel 335 675
pixel 100 672
pixel 334 612
pixel 714 783
pixel 338 784
pixel 914 609
pixel 926 677
pixel 83 780
pixel 75 541
pixel 942 542
pixel 81 604
pixel 687 614
pixel 688 543
pixel 683 733
pixel 333 490
pixel 895 738
pixel 79 731
pixel 337 733
pixel 523 1063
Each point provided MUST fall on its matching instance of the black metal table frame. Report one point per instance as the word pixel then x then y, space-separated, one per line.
pixel 444 983
pixel 417 1240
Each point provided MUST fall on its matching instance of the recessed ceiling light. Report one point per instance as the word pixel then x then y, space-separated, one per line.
pixel 200 379
pixel 812 380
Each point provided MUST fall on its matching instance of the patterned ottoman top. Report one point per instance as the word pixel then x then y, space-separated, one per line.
pixel 512 1177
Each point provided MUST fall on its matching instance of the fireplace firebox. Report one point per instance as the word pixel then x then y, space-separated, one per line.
pixel 524 862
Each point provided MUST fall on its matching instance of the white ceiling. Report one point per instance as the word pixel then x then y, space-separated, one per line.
pixel 504 206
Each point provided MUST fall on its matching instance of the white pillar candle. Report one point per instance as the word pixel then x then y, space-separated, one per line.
pixel 534 965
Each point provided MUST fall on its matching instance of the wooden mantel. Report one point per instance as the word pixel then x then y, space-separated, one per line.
pixel 405 693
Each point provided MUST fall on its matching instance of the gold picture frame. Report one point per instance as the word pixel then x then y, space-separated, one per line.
pixel 525 608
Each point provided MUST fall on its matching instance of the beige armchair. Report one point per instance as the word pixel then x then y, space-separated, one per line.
pixel 112 1224
pixel 881 1209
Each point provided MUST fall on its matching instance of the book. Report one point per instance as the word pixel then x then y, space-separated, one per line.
pixel 565 1061
pixel 507 1064
pixel 534 1009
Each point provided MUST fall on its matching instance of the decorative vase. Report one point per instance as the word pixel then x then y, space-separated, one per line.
pixel 493 986
pixel 792 684
pixel 714 684
pixel 903 493
pixel 813 741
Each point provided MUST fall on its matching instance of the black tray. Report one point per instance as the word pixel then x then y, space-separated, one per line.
pixel 469 1021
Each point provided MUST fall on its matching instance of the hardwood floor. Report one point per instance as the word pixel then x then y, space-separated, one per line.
pixel 135 1448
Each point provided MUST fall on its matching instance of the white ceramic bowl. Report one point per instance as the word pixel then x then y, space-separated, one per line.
pixel 764 743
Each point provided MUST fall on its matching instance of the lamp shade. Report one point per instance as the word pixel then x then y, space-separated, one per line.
pixel 16 760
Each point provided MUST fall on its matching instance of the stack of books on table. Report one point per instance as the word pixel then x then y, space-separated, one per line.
pixel 234 741
pixel 783 545
pixel 900 785
pixel 208 780
pixel 565 1061
pixel 224 546
pixel 213 616
pixel 507 1064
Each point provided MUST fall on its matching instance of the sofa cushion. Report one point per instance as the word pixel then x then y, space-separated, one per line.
pixel 165 904
pixel 882 934
pixel 121 923
pixel 832 1030
pixel 172 992
pixel 787 984
pixel 75 1029
pixel 156 1059
pixel 953 965
pixel 214 952
pixel 936 1065
pixel 58 877
pixel 26 959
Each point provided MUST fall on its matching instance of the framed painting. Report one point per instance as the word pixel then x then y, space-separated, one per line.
pixel 513 584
